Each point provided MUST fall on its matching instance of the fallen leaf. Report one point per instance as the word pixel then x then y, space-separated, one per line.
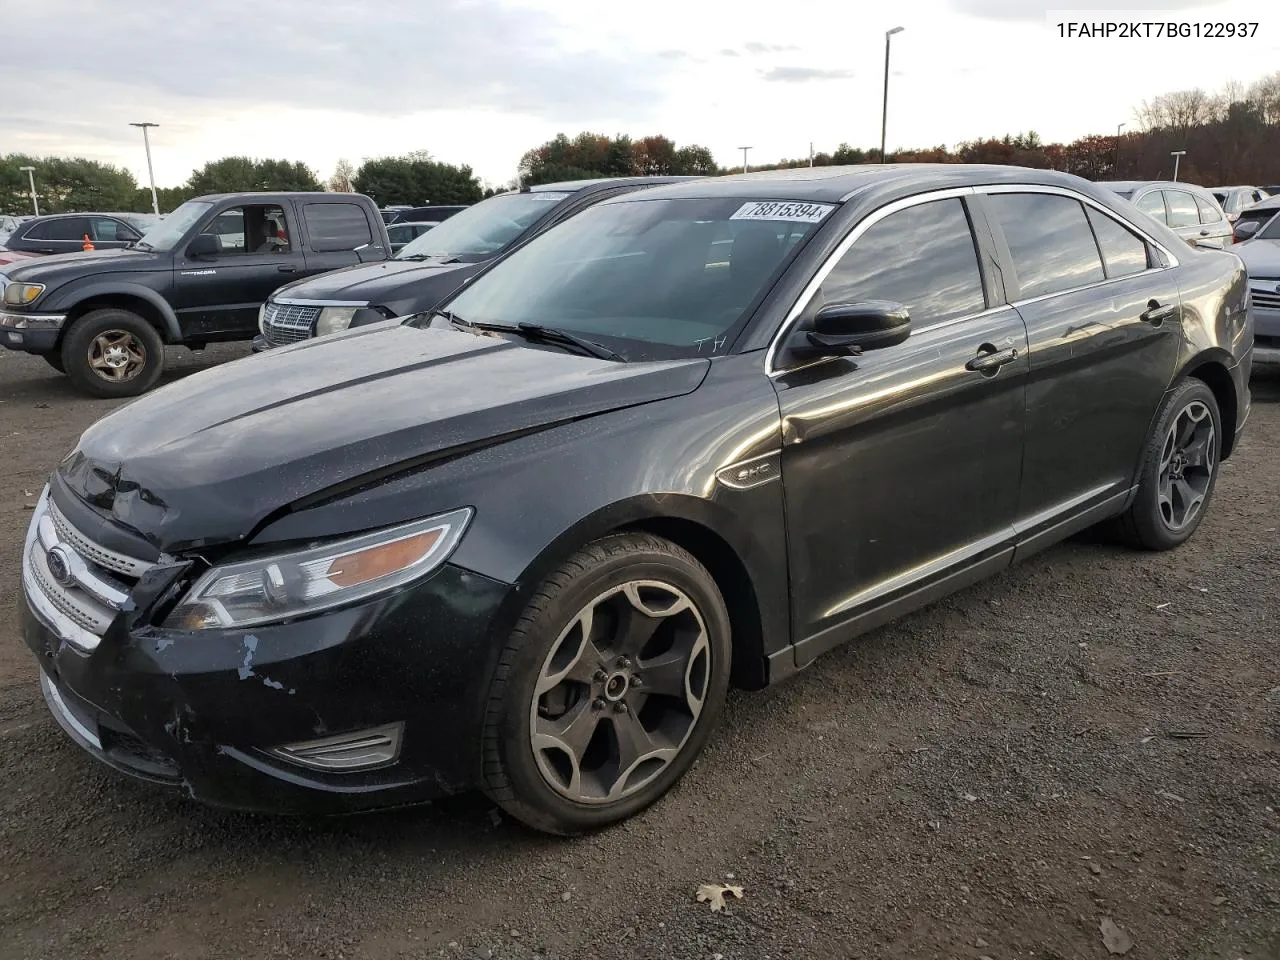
pixel 970 797
pixel 1219 901
pixel 1170 796
pixel 1114 938
pixel 1095 869
pixel 714 894
pixel 1161 606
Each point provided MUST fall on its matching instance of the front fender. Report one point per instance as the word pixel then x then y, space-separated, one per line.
pixel 68 298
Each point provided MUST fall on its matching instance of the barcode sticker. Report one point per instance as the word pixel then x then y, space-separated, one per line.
pixel 782 210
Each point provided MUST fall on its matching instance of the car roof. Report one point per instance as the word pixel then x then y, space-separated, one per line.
pixel 317 196
pixel 1129 186
pixel 87 213
pixel 601 183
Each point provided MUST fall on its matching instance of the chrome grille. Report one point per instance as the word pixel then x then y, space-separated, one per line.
pixel 288 322
pixel 1266 295
pixel 81 607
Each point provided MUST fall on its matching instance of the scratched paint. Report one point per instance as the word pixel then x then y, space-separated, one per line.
pixel 250 648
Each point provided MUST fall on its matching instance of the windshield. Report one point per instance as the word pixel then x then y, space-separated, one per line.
pixel 1271 231
pixel 168 233
pixel 483 229
pixel 652 279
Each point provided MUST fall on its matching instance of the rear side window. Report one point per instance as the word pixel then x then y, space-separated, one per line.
pixel 1050 241
pixel 1124 253
pixel 336 226
pixel 1152 204
pixel 1208 212
pixel 923 257
pixel 64 228
pixel 1182 209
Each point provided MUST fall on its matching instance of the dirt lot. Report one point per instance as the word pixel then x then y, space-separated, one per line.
pixel 1093 735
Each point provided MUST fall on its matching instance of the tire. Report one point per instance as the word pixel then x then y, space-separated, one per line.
pixel 117 341
pixel 1152 521
pixel 687 656
pixel 54 360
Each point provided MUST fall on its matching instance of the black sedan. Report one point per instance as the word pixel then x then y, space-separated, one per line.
pixel 694 436
pixel 66 232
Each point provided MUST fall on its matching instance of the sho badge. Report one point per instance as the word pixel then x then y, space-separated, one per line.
pixel 59 565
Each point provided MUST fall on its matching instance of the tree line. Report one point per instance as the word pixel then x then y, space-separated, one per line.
pixel 1230 137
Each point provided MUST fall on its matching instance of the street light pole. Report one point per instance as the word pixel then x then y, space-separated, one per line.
pixel 744 158
pixel 31 179
pixel 884 116
pixel 146 142
pixel 1177 156
pixel 1116 163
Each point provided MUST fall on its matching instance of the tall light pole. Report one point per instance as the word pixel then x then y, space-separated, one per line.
pixel 146 141
pixel 744 158
pixel 1116 162
pixel 1177 155
pixel 31 179
pixel 884 116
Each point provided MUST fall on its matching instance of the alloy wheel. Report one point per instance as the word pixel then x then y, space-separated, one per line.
pixel 1187 461
pixel 117 355
pixel 620 691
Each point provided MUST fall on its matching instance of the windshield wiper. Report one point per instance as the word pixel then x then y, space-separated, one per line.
pixel 537 333
pixel 141 245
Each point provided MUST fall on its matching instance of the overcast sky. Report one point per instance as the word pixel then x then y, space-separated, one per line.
pixel 481 81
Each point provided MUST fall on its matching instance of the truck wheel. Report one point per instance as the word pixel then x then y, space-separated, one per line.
pixel 113 353
pixel 54 360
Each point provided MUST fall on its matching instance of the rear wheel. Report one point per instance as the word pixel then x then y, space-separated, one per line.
pixel 113 353
pixel 1179 471
pixel 608 687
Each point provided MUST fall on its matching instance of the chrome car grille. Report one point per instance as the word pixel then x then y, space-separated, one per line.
pixel 90 586
pixel 288 322
pixel 1266 294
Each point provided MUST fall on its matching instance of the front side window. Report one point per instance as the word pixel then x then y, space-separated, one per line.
pixel 105 228
pixel 1124 253
pixel 336 226
pixel 923 257
pixel 482 230
pixel 1182 209
pixel 652 279
pixel 1208 212
pixel 1050 241
pixel 1152 204
pixel 250 229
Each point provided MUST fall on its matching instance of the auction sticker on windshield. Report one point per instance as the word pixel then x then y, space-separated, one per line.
pixel 782 210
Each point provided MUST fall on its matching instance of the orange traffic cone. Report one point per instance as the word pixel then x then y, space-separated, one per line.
pixel 88 244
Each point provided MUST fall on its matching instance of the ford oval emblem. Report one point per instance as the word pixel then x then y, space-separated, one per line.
pixel 59 565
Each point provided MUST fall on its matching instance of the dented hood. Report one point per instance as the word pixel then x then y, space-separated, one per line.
pixel 206 460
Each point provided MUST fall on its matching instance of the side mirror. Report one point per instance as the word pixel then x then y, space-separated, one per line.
pixel 847 329
pixel 204 245
pixel 1246 230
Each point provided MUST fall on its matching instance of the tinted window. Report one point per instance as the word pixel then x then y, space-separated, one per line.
pixel 1049 238
pixel 105 228
pixel 64 228
pixel 253 228
pixel 923 257
pixel 1270 231
pixel 1152 204
pixel 1123 252
pixel 1182 208
pixel 1208 212
pixel 336 226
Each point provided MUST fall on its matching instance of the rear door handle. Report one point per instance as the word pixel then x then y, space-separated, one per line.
pixel 1155 314
pixel 989 360
pixel 287 268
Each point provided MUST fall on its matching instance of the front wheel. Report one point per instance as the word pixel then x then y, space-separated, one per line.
pixel 113 353
pixel 1179 471
pixel 608 687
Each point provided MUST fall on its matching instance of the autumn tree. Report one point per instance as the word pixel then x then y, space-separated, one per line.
pixel 342 180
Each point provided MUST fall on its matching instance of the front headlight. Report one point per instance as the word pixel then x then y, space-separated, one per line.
pixel 334 320
pixel 17 294
pixel 288 585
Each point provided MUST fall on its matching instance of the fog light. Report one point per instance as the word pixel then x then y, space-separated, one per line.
pixel 346 752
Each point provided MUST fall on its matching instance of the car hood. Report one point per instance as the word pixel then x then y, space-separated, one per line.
pixel 373 283
pixel 1261 257
pixel 209 459
pixel 64 266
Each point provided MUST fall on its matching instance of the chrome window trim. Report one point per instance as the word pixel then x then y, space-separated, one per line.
pixel 811 288
pixel 297 302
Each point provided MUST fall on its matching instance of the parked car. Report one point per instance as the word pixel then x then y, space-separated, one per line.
pixel 1234 199
pixel 401 234
pixel 7 226
pixel 431 267
pixel 1252 219
pixel 198 276
pixel 527 542
pixel 1189 211
pixel 428 214
pixel 390 213
pixel 1261 256
pixel 65 232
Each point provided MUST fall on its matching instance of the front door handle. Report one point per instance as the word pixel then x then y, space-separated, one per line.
pixel 1155 314
pixel 989 360
pixel 287 268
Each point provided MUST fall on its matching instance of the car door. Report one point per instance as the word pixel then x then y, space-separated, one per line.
pixel 108 233
pixel 218 297
pixel 901 466
pixel 338 235
pixel 55 235
pixel 1215 228
pixel 1183 215
pixel 1103 319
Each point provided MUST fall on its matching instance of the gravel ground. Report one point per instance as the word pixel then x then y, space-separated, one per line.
pixel 1093 736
